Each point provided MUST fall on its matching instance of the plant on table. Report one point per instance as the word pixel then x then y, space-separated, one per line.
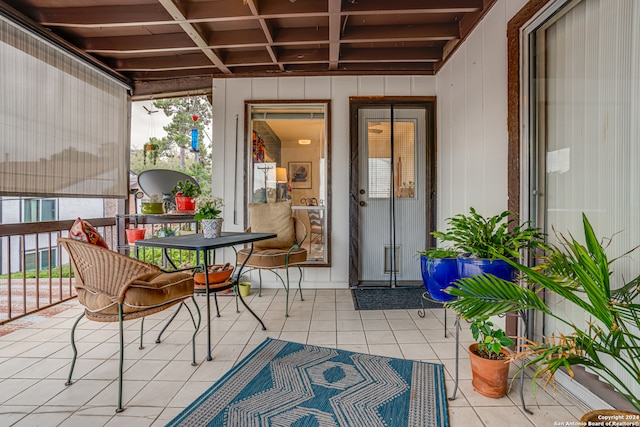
pixel 208 207
pixel 186 188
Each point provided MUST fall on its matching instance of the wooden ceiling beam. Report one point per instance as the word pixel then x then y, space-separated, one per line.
pixel 401 32
pixel 391 55
pixel 175 87
pixel 413 6
pixel 169 62
pixel 266 30
pixel 140 14
pixel 148 43
pixel 191 31
pixel 335 32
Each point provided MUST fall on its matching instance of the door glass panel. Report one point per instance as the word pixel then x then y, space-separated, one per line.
pixel 289 160
pixel 380 152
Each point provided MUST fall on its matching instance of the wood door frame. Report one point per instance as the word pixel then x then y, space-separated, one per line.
pixel 355 103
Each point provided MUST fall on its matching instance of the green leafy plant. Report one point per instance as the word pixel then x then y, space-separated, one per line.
pixel 186 188
pixel 579 274
pixel 439 253
pixel 490 237
pixel 208 207
pixel 490 338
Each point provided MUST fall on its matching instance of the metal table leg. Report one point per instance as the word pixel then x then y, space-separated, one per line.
pixel 455 388
pixel 238 276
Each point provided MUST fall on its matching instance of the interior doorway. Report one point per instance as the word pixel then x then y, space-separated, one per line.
pixel 392 189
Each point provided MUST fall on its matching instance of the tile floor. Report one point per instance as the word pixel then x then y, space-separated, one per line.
pixel 160 381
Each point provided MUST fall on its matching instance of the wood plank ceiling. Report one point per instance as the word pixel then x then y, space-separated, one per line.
pixel 175 46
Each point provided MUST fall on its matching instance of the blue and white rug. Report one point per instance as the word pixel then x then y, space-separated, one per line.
pixel 283 383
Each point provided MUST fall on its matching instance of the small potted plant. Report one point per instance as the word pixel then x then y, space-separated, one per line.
pixel 208 213
pixel 439 271
pixel 185 193
pixel 489 358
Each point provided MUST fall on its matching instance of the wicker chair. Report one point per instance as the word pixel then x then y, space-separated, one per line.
pixel 274 258
pixel 114 288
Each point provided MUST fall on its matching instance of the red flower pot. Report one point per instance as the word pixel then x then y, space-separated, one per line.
pixel 134 234
pixel 186 204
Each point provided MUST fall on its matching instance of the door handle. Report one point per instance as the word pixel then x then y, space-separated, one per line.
pixel 363 203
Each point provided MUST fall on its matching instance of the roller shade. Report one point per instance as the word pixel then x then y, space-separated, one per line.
pixel 64 127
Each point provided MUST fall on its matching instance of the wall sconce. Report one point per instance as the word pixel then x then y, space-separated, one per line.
pixel 304 141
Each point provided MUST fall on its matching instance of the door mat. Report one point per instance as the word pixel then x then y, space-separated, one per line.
pixel 283 383
pixel 408 298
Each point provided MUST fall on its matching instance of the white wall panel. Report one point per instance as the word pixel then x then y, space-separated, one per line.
pixel 444 149
pixel 370 85
pixel 423 84
pixel 264 88
pixel 476 158
pixel 472 121
pixel 292 88
pixel 494 80
pixel 397 85
pixel 317 87
pixel 341 89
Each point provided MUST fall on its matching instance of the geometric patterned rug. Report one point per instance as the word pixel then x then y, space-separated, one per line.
pixel 283 383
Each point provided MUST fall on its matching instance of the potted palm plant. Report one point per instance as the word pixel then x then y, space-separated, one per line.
pixel 208 213
pixel 581 275
pixel 185 193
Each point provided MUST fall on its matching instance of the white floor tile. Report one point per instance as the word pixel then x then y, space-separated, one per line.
pixel 159 381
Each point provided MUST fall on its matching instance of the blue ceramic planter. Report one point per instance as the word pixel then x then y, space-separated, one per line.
pixel 468 267
pixel 438 274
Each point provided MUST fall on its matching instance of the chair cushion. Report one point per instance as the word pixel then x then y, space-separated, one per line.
pixel 151 290
pixel 83 231
pixel 271 258
pixel 273 218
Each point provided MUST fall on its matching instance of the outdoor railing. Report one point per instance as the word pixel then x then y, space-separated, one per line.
pixel 34 271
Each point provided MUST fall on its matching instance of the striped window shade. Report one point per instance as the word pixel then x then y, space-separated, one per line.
pixel 64 127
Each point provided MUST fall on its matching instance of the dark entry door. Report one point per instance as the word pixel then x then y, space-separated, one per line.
pixel 392 191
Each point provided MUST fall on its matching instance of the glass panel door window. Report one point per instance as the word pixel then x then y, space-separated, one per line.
pixel 585 133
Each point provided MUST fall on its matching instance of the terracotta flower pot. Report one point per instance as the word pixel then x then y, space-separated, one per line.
pixel 215 277
pixel 490 377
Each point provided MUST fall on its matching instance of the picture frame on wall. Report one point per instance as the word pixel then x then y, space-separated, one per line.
pixel 300 175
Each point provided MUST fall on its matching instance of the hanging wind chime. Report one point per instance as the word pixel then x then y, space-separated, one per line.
pixel 194 134
pixel 194 128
